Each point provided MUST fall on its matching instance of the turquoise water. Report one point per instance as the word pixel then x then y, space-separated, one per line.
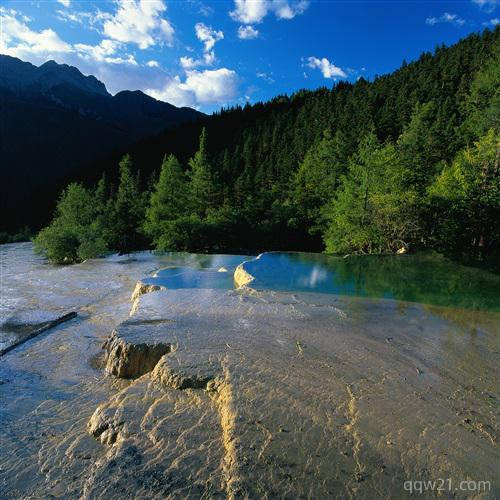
pixel 426 278
pixel 198 271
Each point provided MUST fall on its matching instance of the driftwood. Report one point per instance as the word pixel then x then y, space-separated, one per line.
pixel 48 326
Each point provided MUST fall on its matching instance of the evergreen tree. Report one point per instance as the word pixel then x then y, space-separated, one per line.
pixel 483 102
pixel 202 187
pixel 466 197
pixel 168 200
pixel 74 233
pixel 128 209
pixel 419 148
pixel 317 179
pixel 372 211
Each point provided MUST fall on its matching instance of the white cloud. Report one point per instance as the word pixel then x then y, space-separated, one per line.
pixel 189 62
pixel 206 10
pixel 89 20
pixel 445 18
pixel 209 58
pixel 64 15
pixel 284 10
pixel 247 32
pixel 328 69
pixel 254 11
pixel 19 40
pixel 213 86
pixel 200 87
pixel 492 22
pixel 104 52
pixel 250 11
pixel 66 3
pixel 489 5
pixel 153 64
pixel 265 77
pixel 174 92
pixel 207 35
pixel 139 22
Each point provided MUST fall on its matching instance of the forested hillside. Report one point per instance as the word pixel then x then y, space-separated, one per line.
pixel 408 161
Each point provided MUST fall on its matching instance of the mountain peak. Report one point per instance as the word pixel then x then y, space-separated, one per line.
pixel 51 62
pixel 20 77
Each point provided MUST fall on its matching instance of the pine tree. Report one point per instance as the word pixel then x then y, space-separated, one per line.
pixel 168 200
pixel 128 210
pixel 372 211
pixel 483 102
pixel 317 179
pixel 74 234
pixel 419 148
pixel 201 186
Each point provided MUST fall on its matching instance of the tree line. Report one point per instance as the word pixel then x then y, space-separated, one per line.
pixel 408 161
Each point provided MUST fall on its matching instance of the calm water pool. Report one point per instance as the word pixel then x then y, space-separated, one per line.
pixel 425 278
pixel 198 271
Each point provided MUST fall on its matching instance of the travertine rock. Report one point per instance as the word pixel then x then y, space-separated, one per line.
pixel 131 359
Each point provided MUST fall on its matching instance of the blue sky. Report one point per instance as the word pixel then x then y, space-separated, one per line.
pixel 208 54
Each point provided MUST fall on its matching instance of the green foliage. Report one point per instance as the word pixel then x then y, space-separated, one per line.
pixel 419 147
pixel 189 233
pixel 466 196
pixel 359 168
pixel 24 234
pixel 202 187
pixel 372 211
pixel 169 200
pixel 128 210
pixel 483 102
pixel 317 179
pixel 74 233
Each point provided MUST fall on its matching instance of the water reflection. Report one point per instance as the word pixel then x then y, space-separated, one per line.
pixel 425 278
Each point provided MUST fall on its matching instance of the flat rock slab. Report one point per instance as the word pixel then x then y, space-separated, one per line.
pixel 312 396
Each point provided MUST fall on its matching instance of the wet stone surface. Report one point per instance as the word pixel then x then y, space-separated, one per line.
pixel 259 394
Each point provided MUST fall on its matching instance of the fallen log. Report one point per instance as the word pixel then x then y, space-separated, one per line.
pixel 44 328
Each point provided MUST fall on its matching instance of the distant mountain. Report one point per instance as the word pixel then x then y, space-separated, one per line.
pixel 54 120
pixel 25 78
pixel 66 87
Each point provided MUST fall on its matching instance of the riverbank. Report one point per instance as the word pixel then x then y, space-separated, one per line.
pixel 256 394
